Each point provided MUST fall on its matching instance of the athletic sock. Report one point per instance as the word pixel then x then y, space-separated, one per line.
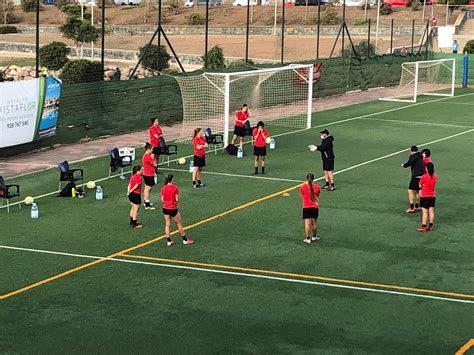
pixel 199 182
pixel 431 224
pixel 256 170
pixel 184 237
pixel 332 185
pixel 168 240
pixel 327 183
pixel 263 170
pixel 416 205
pixel 131 220
pixel 194 183
pixel 147 202
pixel 135 222
pixel 412 206
pixel 423 225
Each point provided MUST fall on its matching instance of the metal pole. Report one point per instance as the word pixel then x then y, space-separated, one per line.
pixel 130 76
pixel 447 12
pixel 275 18
pixel 92 4
pixel 159 34
pixel 412 34
pixel 391 37
pixel 102 41
pixel 282 59
pixel 82 19
pixel 377 27
pixel 368 39
pixel 247 33
pixel 172 50
pixel 318 25
pixel 37 38
pixel 343 23
pixel 423 14
pixel 206 35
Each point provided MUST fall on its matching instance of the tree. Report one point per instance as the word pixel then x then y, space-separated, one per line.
pixel 79 31
pixel 155 58
pixel 81 71
pixel 215 58
pixel 469 47
pixel 54 55
pixel 361 48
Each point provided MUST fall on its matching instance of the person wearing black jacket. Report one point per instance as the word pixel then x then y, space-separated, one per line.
pixel 327 154
pixel 415 162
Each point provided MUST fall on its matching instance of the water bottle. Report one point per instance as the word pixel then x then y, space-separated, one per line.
pixel 272 143
pixel 73 192
pixel 34 211
pixel 98 193
pixel 191 166
pixel 240 153
pixel 156 179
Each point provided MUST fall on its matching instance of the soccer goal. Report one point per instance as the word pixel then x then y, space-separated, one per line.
pixel 278 96
pixel 429 77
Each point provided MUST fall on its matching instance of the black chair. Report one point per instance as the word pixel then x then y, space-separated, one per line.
pixel 117 161
pixel 217 140
pixel 167 150
pixel 6 194
pixel 68 174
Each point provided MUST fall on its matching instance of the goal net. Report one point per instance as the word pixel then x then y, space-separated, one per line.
pixel 278 96
pixel 430 77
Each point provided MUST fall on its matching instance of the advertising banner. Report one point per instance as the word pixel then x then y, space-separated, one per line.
pixel 29 110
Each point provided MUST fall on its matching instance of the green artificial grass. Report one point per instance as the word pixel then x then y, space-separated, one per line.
pixel 118 307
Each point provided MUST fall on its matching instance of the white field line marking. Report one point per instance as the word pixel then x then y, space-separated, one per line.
pixel 278 135
pixel 420 123
pixel 461 103
pixel 244 274
pixel 237 175
pixel 281 134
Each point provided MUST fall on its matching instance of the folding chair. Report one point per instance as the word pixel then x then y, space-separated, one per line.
pixel 117 161
pixel 6 194
pixel 68 174
pixel 167 150
pixel 214 139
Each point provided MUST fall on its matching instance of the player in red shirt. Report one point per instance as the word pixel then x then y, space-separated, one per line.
pixel 239 129
pixel 200 145
pixel 170 198
pixel 149 170
pixel 310 194
pixel 134 192
pixel 260 135
pixel 155 137
pixel 428 198
pixel 426 153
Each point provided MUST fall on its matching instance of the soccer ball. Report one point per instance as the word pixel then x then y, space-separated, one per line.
pixel 90 185
pixel 268 140
pixel 181 161
pixel 29 200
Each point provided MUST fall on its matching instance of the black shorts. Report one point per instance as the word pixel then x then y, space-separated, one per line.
pixel 134 198
pixel 239 131
pixel 157 150
pixel 414 184
pixel 200 162
pixel 328 164
pixel 310 213
pixel 171 213
pixel 427 202
pixel 149 180
pixel 260 151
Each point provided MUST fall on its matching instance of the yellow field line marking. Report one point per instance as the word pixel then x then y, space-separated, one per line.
pixel 302 276
pixel 462 350
pixel 128 250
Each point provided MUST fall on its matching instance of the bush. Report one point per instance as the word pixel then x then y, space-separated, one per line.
pixel 194 19
pixel 54 55
pixel 153 52
pixel 81 71
pixel 361 49
pixel 469 47
pixel 329 17
pixel 386 9
pixel 29 5
pixel 241 63
pixel 8 29
pixel 215 58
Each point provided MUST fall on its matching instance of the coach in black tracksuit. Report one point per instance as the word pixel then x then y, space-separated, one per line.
pixel 327 154
pixel 415 162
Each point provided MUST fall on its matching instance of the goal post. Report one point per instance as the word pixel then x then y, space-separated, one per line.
pixel 428 77
pixel 279 96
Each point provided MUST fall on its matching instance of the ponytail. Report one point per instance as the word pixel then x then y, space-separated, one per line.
pixel 310 178
pixel 196 131
pixel 168 178
pixel 430 169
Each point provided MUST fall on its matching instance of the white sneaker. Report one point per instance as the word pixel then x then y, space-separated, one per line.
pixel 170 243
pixel 188 242
pixel 314 239
pixel 307 240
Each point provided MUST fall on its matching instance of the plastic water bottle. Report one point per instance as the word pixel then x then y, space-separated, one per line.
pixel 73 192
pixel 99 193
pixel 191 166
pixel 156 179
pixel 34 211
pixel 240 153
pixel 272 143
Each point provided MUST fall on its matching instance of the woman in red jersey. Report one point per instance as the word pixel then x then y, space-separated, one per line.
pixel 155 137
pixel 260 135
pixel 241 117
pixel 149 166
pixel 428 198
pixel 426 154
pixel 200 145
pixel 134 193
pixel 170 197
pixel 310 194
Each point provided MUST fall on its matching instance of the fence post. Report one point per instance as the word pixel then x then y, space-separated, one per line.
pixel 102 40
pixel 247 33
pixel 391 37
pixel 206 35
pixel 37 37
pixel 368 39
pixel 412 35
pixel 318 25
pixel 465 70
pixel 282 59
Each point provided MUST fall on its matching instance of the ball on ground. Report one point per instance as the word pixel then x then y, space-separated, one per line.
pixel 268 140
pixel 181 161
pixel 91 185
pixel 29 200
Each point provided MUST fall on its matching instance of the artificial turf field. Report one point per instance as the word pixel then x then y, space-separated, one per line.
pixel 373 284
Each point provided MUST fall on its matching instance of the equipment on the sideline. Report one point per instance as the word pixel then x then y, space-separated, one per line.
pixel 272 143
pixel 231 149
pixel 428 77
pixel 28 200
pixel 280 96
pixel 312 147
pixel 90 185
pixel 268 140
pixel 181 161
